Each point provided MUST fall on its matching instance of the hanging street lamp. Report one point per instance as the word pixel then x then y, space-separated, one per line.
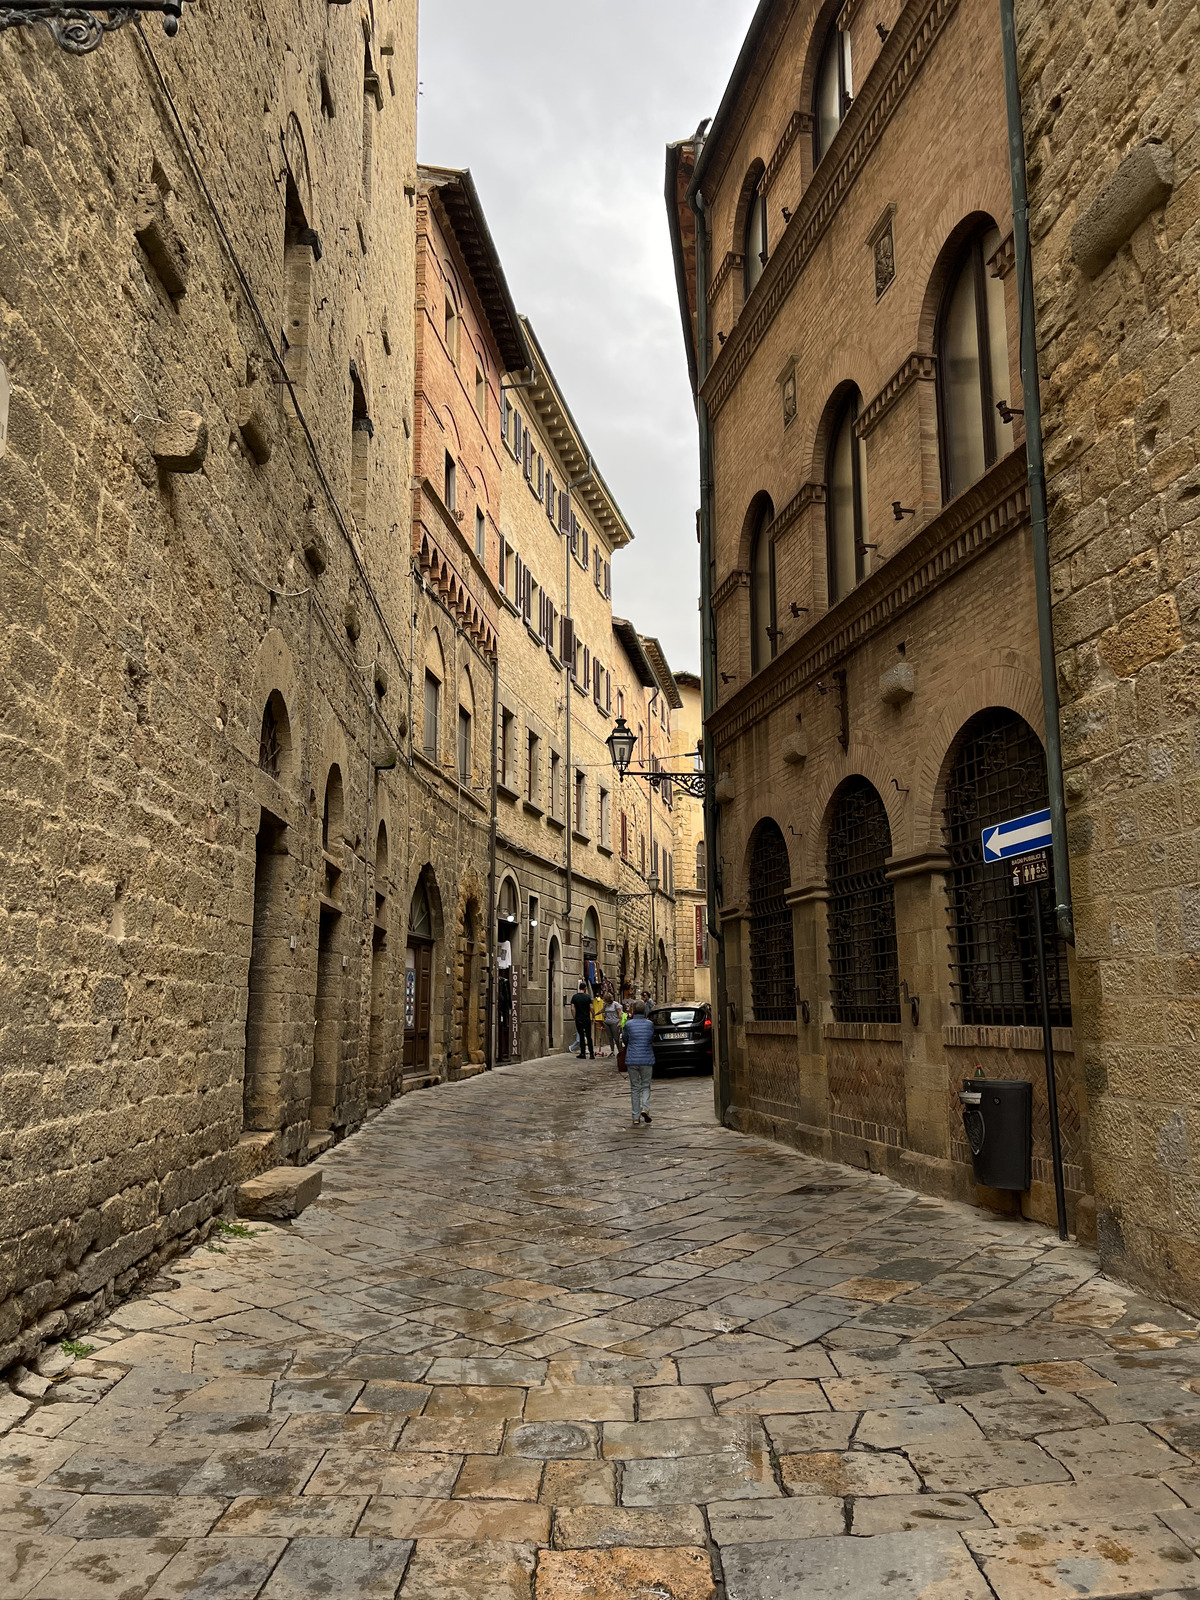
pixel 80 29
pixel 622 742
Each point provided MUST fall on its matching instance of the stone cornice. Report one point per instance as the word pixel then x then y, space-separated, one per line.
pixel 809 494
pixel 1003 259
pixel 736 580
pixel 916 368
pixel 733 262
pixel 978 520
pixel 799 122
pixel 889 80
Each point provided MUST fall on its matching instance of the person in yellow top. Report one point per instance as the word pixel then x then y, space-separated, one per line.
pixel 598 1019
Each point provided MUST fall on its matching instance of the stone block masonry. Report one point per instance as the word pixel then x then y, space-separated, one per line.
pixel 199 981
pixel 1115 194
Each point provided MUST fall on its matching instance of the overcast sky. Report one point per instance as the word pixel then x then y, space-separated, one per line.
pixel 563 113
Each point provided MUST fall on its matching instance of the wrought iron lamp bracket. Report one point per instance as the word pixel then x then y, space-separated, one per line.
pixel 695 784
pixel 80 29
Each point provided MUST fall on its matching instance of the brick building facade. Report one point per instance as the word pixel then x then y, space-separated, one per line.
pixel 875 676
pixel 1114 196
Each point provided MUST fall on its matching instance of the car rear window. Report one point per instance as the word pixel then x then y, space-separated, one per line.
pixel 677 1019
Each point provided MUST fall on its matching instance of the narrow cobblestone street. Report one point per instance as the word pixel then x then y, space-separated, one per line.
pixel 520 1349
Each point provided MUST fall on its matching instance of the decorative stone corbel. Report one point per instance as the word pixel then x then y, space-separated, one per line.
pixel 181 442
pixel 1140 185
pixel 725 791
pixel 897 685
pixel 795 749
pixel 255 421
pixel 155 232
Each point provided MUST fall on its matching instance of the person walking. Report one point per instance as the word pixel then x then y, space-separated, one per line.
pixel 612 1023
pixel 598 1022
pixel 581 1005
pixel 638 1039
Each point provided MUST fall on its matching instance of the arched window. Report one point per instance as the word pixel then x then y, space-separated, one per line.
pixel 701 867
pixel 833 90
pixel 755 241
pixel 863 964
pixel 772 965
pixel 845 502
pixel 420 919
pixel 275 739
pixel 331 817
pixel 972 359
pixel 998 772
pixel 762 590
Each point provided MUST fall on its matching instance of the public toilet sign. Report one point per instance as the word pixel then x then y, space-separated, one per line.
pixel 1030 870
pixel 1020 837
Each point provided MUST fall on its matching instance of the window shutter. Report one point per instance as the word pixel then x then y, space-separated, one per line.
pixel 584 555
pixel 527 600
pixel 587 667
pixel 568 641
pixel 574 533
pixel 541 478
pixel 505 408
pixel 517 434
pixel 550 495
pixel 608 580
pixel 608 691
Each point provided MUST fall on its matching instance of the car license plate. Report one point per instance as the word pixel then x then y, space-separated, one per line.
pixel 674 1035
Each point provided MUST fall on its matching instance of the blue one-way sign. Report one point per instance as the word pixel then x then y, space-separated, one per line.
pixel 1018 837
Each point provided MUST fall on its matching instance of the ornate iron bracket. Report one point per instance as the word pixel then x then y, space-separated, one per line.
pixel 695 784
pixel 81 29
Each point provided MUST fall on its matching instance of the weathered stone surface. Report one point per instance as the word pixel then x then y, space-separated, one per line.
pixel 852 1472
pixel 593 1527
pixel 913 1566
pixel 460 1570
pixel 218 1569
pixel 906 1513
pixel 1050 1563
pixel 181 443
pixel 621 1574
pixel 282 1192
pixel 370 1568
pixel 759 1521
pixel 1098 1502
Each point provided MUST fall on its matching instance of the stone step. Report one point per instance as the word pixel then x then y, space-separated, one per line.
pixel 281 1192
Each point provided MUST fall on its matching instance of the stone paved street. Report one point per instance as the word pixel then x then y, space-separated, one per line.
pixel 521 1351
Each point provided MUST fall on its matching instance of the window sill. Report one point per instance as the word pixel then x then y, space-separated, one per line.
pixel 503 790
pixel 974 1037
pixel 532 808
pixel 534 634
pixel 578 687
pixel 872 1032
pixel 556 822
pixel 509 606
pixel 605 849
pixel 778 1030
pixel 580 838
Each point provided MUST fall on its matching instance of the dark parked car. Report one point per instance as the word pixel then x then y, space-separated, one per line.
pixel 682 1038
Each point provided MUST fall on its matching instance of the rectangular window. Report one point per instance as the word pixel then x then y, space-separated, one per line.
pixel 555 767
pixel 480 534
pixel 464 745
pixel 624 837
pixel 587 668
pixel 502 569
pixel 608 692
pixel 451 489
pixel 642 856
pixel 533 936
pixel 607 581
pixel 550 495
pixel 505 414
pixel 528 455
pixel 541 476
pixel 506 749
pixel 580 803
pixel 531 769
pixel 518 436
pixel 433 695
pixel 604 817
pixel 480 394
pixel 701 937
pixel 654 857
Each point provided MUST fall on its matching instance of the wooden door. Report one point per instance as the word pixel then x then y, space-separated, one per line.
pixel 418 991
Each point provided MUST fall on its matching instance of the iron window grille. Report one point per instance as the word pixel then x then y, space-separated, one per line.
pixel 863 962
pixel 772 963
pixel 999 772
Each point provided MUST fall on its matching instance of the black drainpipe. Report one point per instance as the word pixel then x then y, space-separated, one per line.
pixel 1037 472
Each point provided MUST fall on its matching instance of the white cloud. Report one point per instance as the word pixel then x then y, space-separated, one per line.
pixel 563 113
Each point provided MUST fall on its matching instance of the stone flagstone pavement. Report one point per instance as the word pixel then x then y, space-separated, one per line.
pixel 521 1351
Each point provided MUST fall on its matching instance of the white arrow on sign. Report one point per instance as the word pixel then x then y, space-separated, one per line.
pixel 1017 837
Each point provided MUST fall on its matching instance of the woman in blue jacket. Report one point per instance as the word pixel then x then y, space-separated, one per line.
pixel 638 1039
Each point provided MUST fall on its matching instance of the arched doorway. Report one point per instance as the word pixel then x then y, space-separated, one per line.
pixel 591 948
pixel 553 995
pixel 660 976
pixel 508 974
pixel 378 1087
pixel 418 982
pixel 470 1039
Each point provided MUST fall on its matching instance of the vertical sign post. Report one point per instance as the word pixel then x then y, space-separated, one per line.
pixel 1030 873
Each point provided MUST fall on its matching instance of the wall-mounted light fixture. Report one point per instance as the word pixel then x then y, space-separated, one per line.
pixel 1007 412
pixel 900 512
pixel 81 29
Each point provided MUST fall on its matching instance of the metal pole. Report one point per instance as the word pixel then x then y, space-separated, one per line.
pixel 1060 1192
pixel 653 870
pixel 1038 515
pixel 492 907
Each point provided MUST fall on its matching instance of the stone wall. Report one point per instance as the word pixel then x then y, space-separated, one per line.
pixel 1110 113
pixel 206 622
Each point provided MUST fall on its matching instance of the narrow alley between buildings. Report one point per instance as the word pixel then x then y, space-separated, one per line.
pixel 520 1350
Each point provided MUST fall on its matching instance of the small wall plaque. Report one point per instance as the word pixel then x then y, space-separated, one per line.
pixel 883 250
pixel 4 389
pixel 787 389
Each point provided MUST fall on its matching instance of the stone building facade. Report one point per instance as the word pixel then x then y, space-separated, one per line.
pixel 1115 194
pixel 208 442
pixel 691 856
pixel 876 678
